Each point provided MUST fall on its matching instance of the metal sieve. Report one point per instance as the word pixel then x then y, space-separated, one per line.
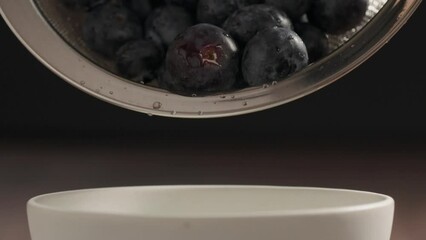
pixel 52 34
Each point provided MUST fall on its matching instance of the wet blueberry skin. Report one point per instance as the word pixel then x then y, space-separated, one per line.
pixel 138 60
pixel 217 11
pixel 247 21
pixel 109 26
pixel 272 55
pixel 204 59
pixel 337 16
pixel 165 23
pixel 294 8
pixel 315 39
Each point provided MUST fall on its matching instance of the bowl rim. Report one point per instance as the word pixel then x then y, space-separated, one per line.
pixel 383 202
pixel 28 24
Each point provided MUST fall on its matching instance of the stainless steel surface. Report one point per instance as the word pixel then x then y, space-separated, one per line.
pixel 44 26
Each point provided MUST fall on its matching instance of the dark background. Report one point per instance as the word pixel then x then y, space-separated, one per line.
pixel 366 131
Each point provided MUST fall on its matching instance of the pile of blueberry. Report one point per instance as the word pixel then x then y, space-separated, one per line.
pixel 199 47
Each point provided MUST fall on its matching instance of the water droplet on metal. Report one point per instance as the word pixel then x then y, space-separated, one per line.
pixel 274 83
pixel 194 95
pixel 142 82
pixel 245 103
pixel 174 112
pixel 265 85
pixel 157 105
pixel 150 114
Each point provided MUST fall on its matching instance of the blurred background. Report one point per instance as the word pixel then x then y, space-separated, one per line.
pixel 367 131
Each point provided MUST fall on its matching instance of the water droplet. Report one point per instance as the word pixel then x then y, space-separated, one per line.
pixel 194 95
pixel 353 45
pixel 157 105
pixel 274 83
pixel 174 112
pixel 265 85
pixel 150 114
pixel 222 96
pixel 111 92
pixel 278 49
pixel 142 82
pixel 82 83
pixel 226 34
pixel 245 103
pixel 200 113
pixel 290 38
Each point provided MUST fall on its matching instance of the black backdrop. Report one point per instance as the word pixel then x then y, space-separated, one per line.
pixel 385 97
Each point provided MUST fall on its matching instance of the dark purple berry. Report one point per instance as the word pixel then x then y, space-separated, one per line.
pixel 337 16
pixel 217 11
pixel 165 23
pixel 246 22
pixel 139 60
pixel 272 55
pixel 204 59
pixel 294 8
pixel 315 39
pixel 108 27
pixel 141 7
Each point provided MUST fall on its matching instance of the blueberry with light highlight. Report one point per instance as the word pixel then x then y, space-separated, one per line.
pixel 204 59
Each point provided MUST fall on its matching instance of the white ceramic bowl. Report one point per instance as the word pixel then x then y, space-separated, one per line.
pixel 211 213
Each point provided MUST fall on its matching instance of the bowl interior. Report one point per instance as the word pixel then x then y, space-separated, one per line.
pixel 208 201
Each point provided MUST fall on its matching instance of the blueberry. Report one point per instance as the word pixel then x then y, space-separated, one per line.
pixel 203 59
pixel 246 22
pixel 217 11
pixel 272 55
pixel 138 60
pixel 165 23
pixel 315 39
pixel 188 4
pixel 142 7
pixel 108 27
pixel 294 8
pixel 337 16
